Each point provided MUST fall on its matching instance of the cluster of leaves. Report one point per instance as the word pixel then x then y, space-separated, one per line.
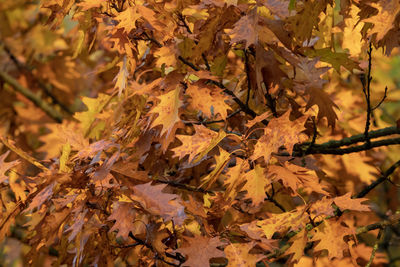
pixel 214 132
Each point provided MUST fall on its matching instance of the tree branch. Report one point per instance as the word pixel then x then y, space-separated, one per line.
pixel 380 180
pixel 40 103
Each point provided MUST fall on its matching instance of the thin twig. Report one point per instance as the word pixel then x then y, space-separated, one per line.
pixel 242 105
pixel 40 103
pixel 184 61
pixel 380 180
pixel 314 138
pixel 367 94
pixel 28 71
pixel 271 199
pixel 347 141
pixel 184 186
pixel 214 121
pixel 247 68
pixel 383 99
pixel 374 249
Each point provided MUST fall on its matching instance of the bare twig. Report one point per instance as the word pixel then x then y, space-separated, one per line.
pixel 28 71
pixel 247 67
pixel 347 141
pixel 40 103
pixel 242 105
pixel 367 94
pixel 380 180
pixel 383 99
pixel 374 249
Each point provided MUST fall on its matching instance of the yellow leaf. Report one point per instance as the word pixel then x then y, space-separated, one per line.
pixel 94 105
pixel 167 111
pixel 256 181
pixel 122 76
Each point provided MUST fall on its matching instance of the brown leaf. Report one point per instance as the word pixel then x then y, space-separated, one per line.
pixel 5 166
pixel 331 233
pixel 124 215
pixel 200 249
pixel 159 203
pixel 238 255
pixel 279 132
pixel 345 202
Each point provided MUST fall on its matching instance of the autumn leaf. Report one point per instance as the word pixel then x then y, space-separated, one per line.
pixel 127 19
pixel 235 177
pixel 196 257
pixel 208 99
pixel 167 111
pixel 279 132
pixel 221 160
pixel 296 177
pixel 124 215
pixel 244 29
pixel 157 202
pixel 198 144
pixel 94 106
pixel 88 4
pixel 281 223
pixel 238 255
pixel 122 76
pixel 336 59
pixel 330 235
pixel 256 181
pixel 5 166
pixel 325 105
pixel 345 202
pixel 43 196
pixel 384 20
pixel 296 250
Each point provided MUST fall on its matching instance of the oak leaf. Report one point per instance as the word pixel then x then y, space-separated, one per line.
pixel 88 4
pixel 5 166
pixel 325 105
pixel 384 20
pixel 279 132
pixel 208 99
pixel 121 79
pixel 94 106
pixel 200 143
pixel 299 243
pixel 282 222
pixel 124 215
pixel 221 160
pixel 200 249
pixel 43 196
pixel 256 181
pixel 345 202
pixel 127 18
pixel 336 59
pixel 296 177
pixel 238 255
pixel 235 178
pixel 330 233
pixel 167 111
pixel 159 203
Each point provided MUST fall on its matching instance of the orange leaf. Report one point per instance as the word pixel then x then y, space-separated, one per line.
pixel 256 181
pixel 331 233
pixel 157 202
pixel 208 99
pixel 279 132
pixel 200 249
pixel 345 202
pixel 124 215
pixel 5 166
pixel 238 255
pixel 167 111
